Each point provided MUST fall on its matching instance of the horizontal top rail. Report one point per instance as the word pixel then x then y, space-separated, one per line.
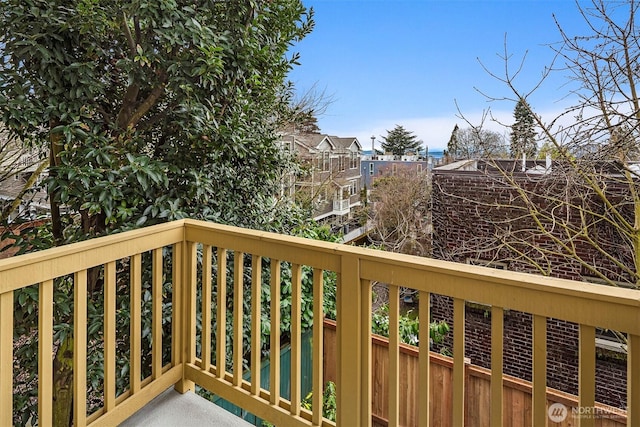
pixel 298 250
pixel 35 267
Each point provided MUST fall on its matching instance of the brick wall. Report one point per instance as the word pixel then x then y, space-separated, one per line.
pixel 471 211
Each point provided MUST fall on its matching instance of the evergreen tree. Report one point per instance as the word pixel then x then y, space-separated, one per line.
pixel 400 141
pixel 523 135
pixel 452 145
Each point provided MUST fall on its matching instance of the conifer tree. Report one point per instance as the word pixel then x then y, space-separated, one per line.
pixel 452 145
pixel 523 135
pixel 400 141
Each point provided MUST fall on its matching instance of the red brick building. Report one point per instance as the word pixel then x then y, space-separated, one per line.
pixel 480 216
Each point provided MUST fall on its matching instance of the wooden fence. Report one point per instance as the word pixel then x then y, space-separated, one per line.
pixel 516 401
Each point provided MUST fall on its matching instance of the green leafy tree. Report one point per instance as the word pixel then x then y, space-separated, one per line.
pixel 523 134
pixel 399 141
pixel 150 111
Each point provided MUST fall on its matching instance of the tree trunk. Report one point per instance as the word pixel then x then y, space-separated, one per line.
pixel 54 160
pixel 63 384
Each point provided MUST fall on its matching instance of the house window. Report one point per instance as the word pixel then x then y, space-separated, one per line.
pixel 323 161
pixel 342 163
pixel 371 169
pixel 354 160
pixel 394 169
pixel 419 167
pixel 353 188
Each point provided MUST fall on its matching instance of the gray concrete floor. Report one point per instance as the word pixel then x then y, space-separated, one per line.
pixel 172 409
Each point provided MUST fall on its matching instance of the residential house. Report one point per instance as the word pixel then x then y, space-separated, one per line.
pixel 330 179
pixel 17 166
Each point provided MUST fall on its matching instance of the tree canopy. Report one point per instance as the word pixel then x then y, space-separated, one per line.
pixel 151 110
pixel 400 141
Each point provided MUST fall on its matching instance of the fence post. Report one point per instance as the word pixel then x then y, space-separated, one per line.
pixel 349 396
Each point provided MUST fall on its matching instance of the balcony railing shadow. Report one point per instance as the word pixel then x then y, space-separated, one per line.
pixel 196 286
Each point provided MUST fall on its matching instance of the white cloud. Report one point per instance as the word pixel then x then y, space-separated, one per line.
pixel 435 131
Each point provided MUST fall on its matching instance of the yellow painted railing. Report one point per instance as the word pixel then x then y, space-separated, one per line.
pixel 199 353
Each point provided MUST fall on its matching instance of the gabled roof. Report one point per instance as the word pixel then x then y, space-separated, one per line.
pixel 321 142
pixel 348 143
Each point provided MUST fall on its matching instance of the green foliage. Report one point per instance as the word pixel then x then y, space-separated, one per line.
pixel 400 141
pixel 329 404
pixel 152 110
pixel 408 327
pixel 523 135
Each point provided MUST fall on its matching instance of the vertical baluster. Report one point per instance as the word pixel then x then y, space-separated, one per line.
pixel 206 307
pixel 177 314
pixel 45 349
pixel 274 350
pixel 80 349
pixel 539 375
pixel 256 324
pixel 318 331
pixel 394 356
pixel 497 350
pixel 6 358
pixel 458 361
pixel 221 314
pixel 136 322
pixel 633 380
pixel 156 314
pixel 587 375
pixel 296 315
pixel 424 310
pixel 238 305
pixel 110 336
pixel 365 359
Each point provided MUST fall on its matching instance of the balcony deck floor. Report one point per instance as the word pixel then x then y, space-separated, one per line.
pixel 185 410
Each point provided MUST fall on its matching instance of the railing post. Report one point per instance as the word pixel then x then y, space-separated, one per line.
pixel 349 396
pixel 188 313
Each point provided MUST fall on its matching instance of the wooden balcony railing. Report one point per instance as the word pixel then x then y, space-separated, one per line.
pixel 184 251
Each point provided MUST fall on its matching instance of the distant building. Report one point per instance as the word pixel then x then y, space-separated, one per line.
pixel 330 180
pixel 378 166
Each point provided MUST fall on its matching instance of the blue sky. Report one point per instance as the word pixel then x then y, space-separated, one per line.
pixel 408 62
